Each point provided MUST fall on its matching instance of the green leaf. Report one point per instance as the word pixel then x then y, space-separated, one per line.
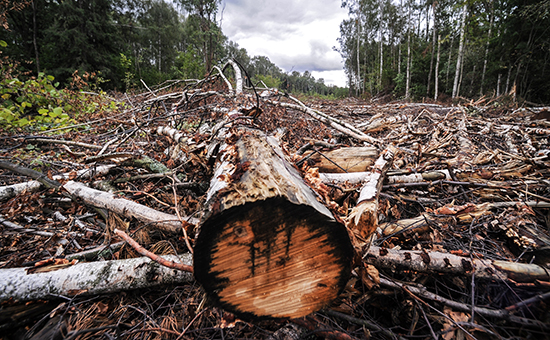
pixel 43 111
pixel 58 111
pixel 3 43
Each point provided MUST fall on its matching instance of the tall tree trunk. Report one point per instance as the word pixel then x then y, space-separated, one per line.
pixel 407 83
pixel 508 80
pixel 381 44
pixel 461 73
pixel 160 54
pixel 498 84
pixel 34 37
pixel 433 51
pixel 358 80
pixel 449 64
pixel 399 45
pixel 399 57
pixel 472 80
pixel 428 19
pixel 487 49
pixel 437 67
pixel 456 90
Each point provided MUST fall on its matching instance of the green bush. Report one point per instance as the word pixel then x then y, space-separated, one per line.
pixel 34 104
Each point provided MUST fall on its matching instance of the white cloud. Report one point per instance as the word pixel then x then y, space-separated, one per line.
pixel 296 35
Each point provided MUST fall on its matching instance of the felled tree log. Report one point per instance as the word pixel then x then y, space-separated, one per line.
pixel 266 246
pixel 350 159
pixel 22 284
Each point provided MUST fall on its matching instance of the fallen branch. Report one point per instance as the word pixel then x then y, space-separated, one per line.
pixel 40 177
pixel 101 199
pixel 486 312
pixel 9 191
pixel 447 263
pixel 64 142
pixel 152 256
pixel 331 122
pixel 92 278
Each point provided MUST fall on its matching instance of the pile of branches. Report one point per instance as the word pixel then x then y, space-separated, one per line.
pixel 460 244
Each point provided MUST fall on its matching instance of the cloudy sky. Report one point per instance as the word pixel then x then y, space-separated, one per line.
pixel 295 35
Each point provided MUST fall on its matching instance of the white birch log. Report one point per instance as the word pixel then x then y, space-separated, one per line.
pixel 105 200
pixel 92 278
pixel 9 191
pixel 437 262
pixel 332 122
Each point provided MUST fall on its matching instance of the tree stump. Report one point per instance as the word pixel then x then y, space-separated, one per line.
pixel 267 248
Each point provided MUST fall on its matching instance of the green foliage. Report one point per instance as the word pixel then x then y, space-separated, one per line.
pixel 188 65
pixel 126 64
pixel 268 80
pixel 35 103
pixel 38 104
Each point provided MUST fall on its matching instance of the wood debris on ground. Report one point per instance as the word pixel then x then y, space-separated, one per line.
pixel 456 243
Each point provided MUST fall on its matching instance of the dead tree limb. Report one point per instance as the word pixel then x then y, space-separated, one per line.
pixel 486 312
pixel 330 122
pixel 364 216
pixel 153 256
pixel 9 191
pixel 92 278
pixel 437 262
pixel 105 200
pixel 40 177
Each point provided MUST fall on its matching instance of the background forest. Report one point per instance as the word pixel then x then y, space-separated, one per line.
pixel 399 48
pixel 123 42
pixel 430 48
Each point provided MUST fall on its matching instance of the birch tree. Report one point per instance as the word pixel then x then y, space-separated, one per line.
pixel 491 20
pixel 460 56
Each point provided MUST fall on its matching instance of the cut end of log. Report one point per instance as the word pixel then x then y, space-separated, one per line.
pixel 272 259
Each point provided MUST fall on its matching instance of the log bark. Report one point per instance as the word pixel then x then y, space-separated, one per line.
pixel 90 278
pixel 266 246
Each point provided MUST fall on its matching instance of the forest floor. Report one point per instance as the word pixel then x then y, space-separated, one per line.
pixel 490 200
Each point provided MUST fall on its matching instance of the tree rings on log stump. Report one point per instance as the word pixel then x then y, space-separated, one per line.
pixel 272 259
